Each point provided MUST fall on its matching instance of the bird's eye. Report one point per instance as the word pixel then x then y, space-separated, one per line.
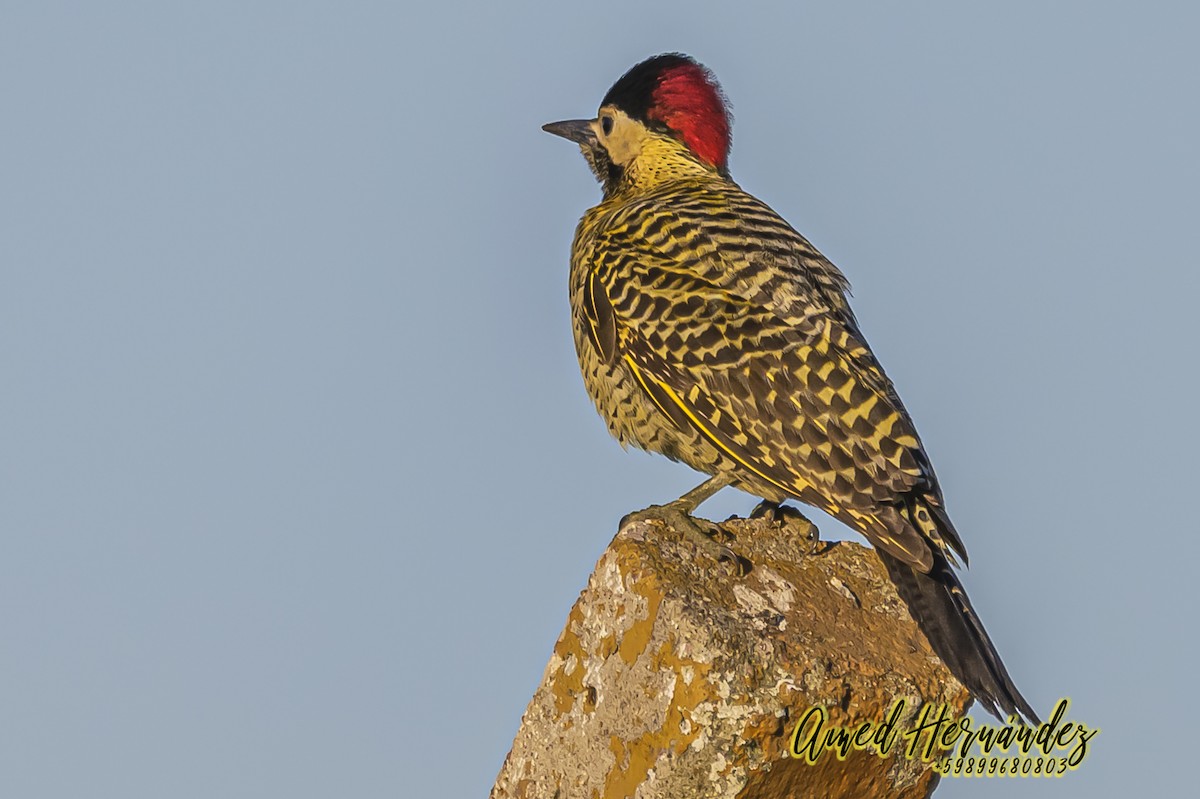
pixel 606 125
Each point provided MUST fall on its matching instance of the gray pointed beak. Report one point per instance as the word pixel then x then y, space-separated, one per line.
pixel 576 130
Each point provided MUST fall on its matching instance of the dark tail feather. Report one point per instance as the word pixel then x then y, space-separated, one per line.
pixel 942 610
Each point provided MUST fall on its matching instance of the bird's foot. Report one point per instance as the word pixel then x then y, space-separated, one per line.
pixel 702 533
pixel 785 515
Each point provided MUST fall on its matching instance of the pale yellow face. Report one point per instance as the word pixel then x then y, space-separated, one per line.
pixel 620 135
pixel 623 151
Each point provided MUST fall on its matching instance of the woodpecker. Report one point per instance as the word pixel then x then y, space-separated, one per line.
pixel 710 331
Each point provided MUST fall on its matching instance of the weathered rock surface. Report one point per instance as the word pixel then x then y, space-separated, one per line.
pixel 677 678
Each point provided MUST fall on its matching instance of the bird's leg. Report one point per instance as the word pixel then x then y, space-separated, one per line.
pixel 784 515
pixel 703 492
pixel 678 515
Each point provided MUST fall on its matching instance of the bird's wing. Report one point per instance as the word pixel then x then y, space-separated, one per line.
pixel 796 399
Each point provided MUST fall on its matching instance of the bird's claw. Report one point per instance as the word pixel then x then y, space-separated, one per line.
pixel 783 515
pixel 701 532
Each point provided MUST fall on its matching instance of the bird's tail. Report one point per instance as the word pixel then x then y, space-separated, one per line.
pixel 939 604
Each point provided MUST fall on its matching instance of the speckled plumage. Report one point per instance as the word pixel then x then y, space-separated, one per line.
pixel 710 331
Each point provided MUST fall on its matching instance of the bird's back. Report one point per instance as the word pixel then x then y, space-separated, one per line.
pixel 709 330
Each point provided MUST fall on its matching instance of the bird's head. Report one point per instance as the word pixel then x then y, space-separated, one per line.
pixel 662 115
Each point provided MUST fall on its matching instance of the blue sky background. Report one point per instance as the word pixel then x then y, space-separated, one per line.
pixel 298 479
